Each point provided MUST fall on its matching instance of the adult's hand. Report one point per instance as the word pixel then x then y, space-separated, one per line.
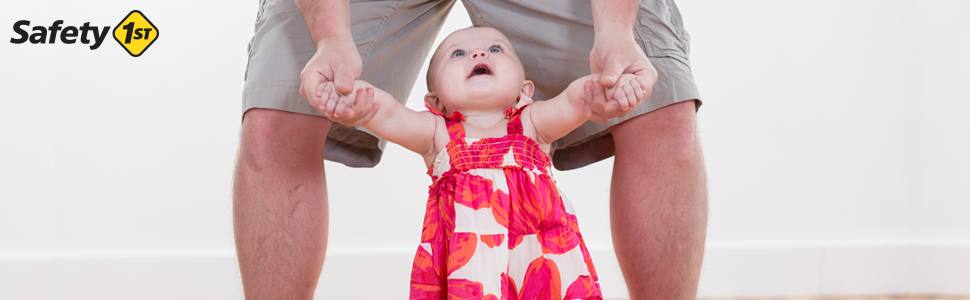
pixel 616 52
pixel 336 60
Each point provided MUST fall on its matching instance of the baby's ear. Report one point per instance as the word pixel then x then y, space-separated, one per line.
pixel 431 101
pixel 525 96
pixel 527 88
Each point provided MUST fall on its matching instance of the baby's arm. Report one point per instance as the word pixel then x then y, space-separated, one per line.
pixel 555 117
pixel 392 120
pixel 558 116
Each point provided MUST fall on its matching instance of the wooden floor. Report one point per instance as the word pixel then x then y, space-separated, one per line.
pixel 917 297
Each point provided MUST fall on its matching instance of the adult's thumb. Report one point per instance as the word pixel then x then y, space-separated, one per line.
pixel 343 80
pixel 609 76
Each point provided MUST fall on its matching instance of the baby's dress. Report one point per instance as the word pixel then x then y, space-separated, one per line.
pixel 496 226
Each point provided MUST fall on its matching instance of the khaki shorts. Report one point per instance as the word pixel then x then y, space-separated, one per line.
pixel 553 39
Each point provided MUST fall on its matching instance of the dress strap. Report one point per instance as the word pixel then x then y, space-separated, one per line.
pixel 456 131
pixel 515 120
pixel 455 115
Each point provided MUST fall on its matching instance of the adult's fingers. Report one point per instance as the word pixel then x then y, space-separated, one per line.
pixel 310 80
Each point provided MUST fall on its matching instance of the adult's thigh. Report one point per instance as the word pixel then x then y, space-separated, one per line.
pixel 666 134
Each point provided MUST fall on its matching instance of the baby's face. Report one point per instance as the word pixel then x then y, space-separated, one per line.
pixel 476 64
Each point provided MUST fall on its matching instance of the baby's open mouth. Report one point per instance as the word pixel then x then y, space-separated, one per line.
pixel 481 69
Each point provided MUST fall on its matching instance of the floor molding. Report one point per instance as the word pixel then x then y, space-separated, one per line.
pixel 729 272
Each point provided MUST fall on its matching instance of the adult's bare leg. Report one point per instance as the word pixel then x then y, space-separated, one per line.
pixel 280 211
pixel 658 206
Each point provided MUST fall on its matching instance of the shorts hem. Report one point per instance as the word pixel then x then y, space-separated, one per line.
pixel 350 146
pixel 593 142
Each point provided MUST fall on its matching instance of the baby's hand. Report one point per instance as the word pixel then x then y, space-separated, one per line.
pixel 333 104
pixel 346 109
pixel 628 92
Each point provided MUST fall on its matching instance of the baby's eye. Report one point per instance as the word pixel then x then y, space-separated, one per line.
pixel 495 49
pixel 458 53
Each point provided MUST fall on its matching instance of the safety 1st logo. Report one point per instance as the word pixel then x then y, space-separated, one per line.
pixel 135 33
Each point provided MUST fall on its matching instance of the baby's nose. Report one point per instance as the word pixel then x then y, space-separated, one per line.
pixel 481 53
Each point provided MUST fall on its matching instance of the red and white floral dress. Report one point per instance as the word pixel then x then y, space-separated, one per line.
pixel 496 226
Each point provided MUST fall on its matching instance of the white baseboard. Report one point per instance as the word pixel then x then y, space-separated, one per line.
pixel 729 271
pixel 836 270
pixel 98 278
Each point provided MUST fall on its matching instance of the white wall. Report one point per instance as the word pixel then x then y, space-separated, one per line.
pixel 834 134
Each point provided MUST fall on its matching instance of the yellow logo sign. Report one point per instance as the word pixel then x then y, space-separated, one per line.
pixel 136 33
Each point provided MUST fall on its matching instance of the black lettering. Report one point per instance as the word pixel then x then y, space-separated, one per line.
pixel 68 32
pixel 146 32
pixel 129 28
pixel 21 31
pixel 53 30
pixel 98 38
pixel 84 32
pixel 39 36
pixel 138 33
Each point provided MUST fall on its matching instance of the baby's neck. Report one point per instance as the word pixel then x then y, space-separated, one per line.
pixel 483 120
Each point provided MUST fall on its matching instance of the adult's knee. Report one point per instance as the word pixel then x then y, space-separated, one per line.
pixel 274 138
pixel 669 133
